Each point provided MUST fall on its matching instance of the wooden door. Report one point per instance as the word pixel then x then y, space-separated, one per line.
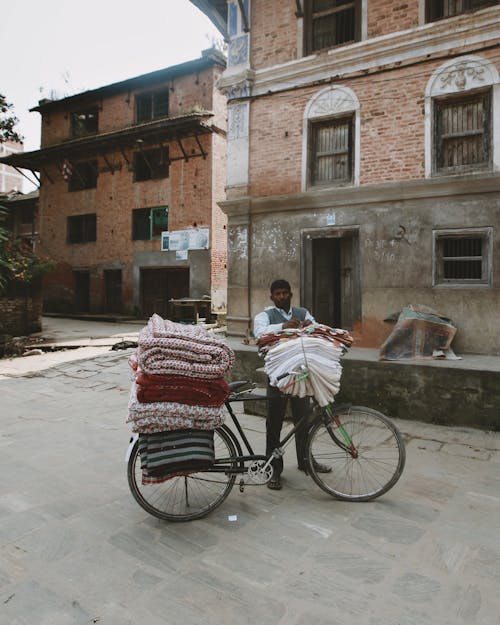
pixel 82 291
pixel 159 286
pixel 113 290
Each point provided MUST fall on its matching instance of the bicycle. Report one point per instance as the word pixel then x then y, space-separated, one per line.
pixel 364 448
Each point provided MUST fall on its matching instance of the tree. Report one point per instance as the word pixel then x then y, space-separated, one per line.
pixel 8 122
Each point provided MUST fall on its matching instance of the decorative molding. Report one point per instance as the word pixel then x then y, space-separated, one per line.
pixel 238 50
pixel 331 101
pixel 462 74
pixel 237 121
pixel 405 46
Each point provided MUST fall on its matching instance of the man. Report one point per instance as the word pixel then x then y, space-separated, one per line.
pixel 278 317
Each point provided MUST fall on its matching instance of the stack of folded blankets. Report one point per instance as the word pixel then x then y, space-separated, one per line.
pixel 316 349
pixel 178 388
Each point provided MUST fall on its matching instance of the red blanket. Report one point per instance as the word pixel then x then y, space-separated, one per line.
pixel 180 389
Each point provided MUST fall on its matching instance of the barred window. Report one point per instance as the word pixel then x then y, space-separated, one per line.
pixel 330 23
pixel 462 257
pixel 439 9
pixel 331 151
pixel 462 137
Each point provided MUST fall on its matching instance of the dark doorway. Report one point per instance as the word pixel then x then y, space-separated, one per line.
pixel 113 290
pixel 82 291
pixel 331 284
pixel 158 286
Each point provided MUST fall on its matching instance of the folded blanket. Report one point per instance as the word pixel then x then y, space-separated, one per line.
pixel 181 389
pixel 313 354
pixel 168 348
pixel 167 416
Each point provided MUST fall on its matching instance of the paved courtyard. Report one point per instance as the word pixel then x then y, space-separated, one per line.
pixel 75 548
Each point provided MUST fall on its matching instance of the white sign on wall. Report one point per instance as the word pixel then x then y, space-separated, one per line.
pixel 183 240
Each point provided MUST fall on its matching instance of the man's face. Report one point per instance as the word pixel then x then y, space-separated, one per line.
pixel 281 298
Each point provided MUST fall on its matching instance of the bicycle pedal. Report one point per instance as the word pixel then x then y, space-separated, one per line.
pixel 242 486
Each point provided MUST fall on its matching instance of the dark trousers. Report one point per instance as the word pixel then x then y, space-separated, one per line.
pixel 276 409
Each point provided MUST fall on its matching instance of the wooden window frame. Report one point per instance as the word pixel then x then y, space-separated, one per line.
pixel 84 175
pixel 310 16
pixel 147 214
pixel 151 164
pixel 486 236
pixel 314 126
pixel 81 228
pixel 487 132
pixel 469 6
pixel 155 105
pixel 89 125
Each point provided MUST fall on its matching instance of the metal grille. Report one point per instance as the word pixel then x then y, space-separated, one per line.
pixel 463 132
pixel 462 258
pixel 332 23
pixel 439 9
pixel 332 143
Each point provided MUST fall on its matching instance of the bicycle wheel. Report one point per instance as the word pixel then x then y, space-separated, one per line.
pixel 370 468
pixel 190 496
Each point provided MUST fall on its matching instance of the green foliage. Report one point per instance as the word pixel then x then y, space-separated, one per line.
pixel 8 122
pixel 18 263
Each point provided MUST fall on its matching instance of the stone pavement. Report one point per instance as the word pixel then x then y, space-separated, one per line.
pixel 75 548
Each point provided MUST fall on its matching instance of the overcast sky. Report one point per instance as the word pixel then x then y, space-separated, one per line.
pixel 69 47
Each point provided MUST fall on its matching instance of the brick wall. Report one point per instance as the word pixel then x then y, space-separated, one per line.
pixel 389 16
pixel 392 129
pixel 276 32
pixel 188 191
pixel 118 111
pixel 20 315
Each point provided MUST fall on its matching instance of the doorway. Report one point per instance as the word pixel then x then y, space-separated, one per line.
pixel 82 291
pixel 331 277
pixel 159 286
pixel 113 290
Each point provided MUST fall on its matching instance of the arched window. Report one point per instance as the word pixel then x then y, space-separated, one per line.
pixel 461 132
pixel 331 139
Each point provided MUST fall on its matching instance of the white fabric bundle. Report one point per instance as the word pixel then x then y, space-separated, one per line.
pixel 313 353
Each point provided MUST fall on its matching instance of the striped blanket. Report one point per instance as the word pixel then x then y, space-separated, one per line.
pixel 166 453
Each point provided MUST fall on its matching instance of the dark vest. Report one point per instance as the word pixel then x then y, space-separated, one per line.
pixel 276 317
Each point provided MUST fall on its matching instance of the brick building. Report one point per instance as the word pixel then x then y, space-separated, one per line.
pixel 119 166
pixel 364 160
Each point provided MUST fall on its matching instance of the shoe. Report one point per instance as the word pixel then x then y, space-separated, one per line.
pixel 275 483
pixel 318 467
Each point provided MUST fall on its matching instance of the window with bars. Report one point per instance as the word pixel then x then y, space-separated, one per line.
pixel 84 122
pixel 331 151
pixel 81 228
pixel 151 164
pixel 149 223
pixel 83 175
pixel 440 9
pixel 151 105
pixel 462 257
pixel 462 136
pixel 330 23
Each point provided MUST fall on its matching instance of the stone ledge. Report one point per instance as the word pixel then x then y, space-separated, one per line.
pixel 460 393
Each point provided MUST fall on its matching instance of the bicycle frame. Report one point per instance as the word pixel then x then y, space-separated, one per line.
pixel 327 415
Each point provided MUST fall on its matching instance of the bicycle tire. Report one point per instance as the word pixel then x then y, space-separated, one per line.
pixel 185 497
pixel 380 457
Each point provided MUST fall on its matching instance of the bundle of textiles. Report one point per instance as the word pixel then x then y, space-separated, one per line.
pixel 316 349
pixel 178 379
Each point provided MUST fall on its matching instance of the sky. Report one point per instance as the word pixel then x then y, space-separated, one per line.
pixel 61 47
